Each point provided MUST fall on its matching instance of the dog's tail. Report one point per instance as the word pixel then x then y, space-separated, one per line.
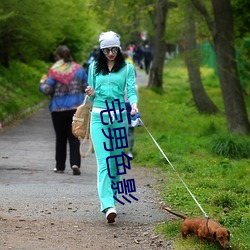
pixel 175 213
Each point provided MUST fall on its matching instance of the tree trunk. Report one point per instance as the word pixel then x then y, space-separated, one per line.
pixel 159 47
pixel 223 38
pixel 201 99
pixel 235 109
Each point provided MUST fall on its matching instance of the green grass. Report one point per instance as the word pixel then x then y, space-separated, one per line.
pixel 214 164
pixel 19 88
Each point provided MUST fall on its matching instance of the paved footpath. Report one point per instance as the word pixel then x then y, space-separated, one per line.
pixel 30 190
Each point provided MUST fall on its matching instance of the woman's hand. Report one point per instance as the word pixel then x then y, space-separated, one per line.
pixel 134 109
pixel 90 91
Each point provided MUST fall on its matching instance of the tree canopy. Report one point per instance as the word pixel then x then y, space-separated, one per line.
pixel 27 32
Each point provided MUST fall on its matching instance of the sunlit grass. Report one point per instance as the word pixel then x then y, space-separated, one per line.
pixel 193 142
pixel 19 87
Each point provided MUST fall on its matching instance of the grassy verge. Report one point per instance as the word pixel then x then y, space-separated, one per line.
pixel 19 88
pixel 214 164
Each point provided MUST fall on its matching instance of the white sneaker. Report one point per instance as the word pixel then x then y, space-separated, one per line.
pixel 130 154
pixel 76 170
pixel 111 214
pixel 58 171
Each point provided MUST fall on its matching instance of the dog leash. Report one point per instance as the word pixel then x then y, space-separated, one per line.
pixel 174 169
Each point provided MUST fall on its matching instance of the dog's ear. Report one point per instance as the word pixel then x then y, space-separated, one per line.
pixel 214 235
pixel 228 237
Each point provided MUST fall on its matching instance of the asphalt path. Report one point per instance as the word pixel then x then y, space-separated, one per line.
pixel 30 189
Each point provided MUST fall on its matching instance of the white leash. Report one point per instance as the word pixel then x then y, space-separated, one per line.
pixel 174 170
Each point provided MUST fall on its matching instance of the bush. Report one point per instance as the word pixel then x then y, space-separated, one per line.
pixel 231 146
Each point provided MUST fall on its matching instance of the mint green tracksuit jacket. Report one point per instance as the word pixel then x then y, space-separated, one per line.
pixel 108 88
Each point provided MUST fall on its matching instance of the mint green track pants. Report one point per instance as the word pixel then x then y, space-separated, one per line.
pixel 104 182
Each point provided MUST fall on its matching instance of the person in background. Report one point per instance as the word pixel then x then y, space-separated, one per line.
pixel 138 52
pixel 128 58
pixel 92 57
pixel 93 54
pixel 147 54
pixel 108 78
pixel 65 83
pixel 131 129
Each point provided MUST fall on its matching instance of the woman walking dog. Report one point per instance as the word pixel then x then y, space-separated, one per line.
pixel 108 78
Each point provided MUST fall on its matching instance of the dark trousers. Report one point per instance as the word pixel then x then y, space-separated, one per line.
pixel 131 138
pixel 62 122
pixel 147 65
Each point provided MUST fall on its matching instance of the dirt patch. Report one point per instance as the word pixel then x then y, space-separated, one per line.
pixel 40 209
pixel 50 234
pixel 37 219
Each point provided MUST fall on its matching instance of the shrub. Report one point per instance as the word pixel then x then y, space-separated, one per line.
pixel 231 146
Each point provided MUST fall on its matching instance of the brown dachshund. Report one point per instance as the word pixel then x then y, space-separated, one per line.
pixel 204 229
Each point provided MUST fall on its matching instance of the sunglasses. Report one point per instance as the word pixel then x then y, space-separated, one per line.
pixel 106 51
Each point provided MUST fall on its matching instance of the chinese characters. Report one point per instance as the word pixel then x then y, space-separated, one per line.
pixel 118 140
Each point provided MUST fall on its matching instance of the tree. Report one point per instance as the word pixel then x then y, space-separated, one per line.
pixel 201 99
pixel 128 18
pixel 28 33
pixel 159 46
pixel 242 33
pixel 241 17
pixel 223 38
